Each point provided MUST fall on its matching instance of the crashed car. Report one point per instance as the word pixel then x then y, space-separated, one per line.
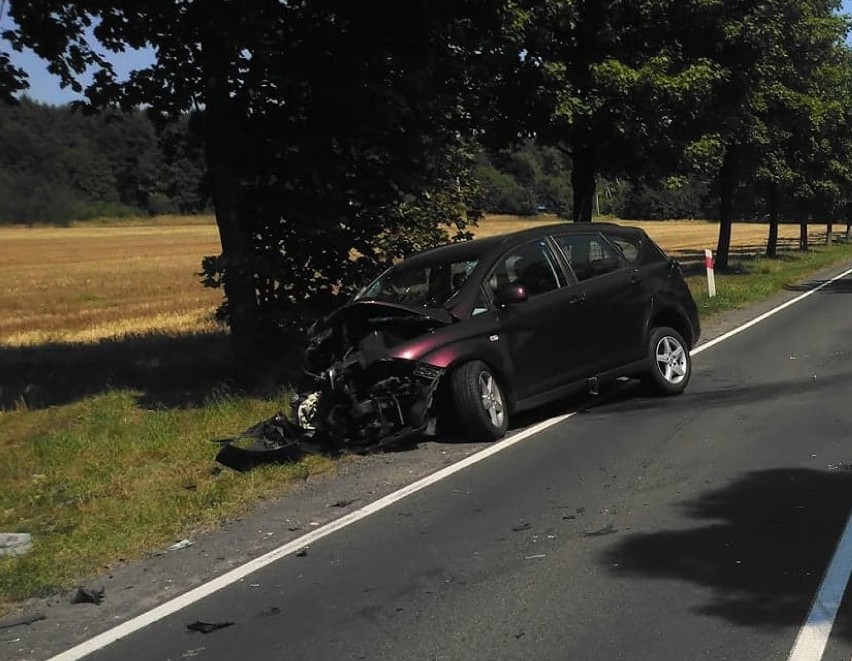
pixel 475 331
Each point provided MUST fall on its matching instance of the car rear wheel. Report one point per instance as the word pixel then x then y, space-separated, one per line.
pixel 479 401
pixel 670 364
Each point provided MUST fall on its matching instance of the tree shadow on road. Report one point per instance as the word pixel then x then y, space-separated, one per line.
pixel 837 287
pixel 760 545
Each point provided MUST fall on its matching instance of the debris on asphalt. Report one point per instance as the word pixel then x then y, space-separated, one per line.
pixel 343 502
pixel 601 532
pixel 207 627
pixel 535 557
pixel 523 526
pixel 269 612
pixel 302 552
pixel 21 620
pixel 839 467
pixel 15 543
pixel 87 596
pixel 182 544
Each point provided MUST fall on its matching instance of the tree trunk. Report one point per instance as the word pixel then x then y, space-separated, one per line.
pixel 829 228
pixel 219 154
pixel 583 171
pixel 848 230
pixel 724 246
pixel 803 227
pixel 772 243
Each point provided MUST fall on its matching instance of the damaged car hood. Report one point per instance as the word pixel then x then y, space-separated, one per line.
pixel 371 320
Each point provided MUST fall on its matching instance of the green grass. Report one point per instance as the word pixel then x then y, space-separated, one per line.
pixel 105 452
pixel 104 479
pixel 755 278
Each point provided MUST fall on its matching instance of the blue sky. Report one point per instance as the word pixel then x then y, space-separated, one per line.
pixel 44 86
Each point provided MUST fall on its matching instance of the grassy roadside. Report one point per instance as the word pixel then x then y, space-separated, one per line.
pixel 103 476
pixel 755 278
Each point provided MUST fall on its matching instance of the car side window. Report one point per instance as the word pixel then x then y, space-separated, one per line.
pixel 532 265
pixel 588 254
pixel 629 247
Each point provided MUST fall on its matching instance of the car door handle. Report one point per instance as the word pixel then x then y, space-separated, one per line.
pixel 577 300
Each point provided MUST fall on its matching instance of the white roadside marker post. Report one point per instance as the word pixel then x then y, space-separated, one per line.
pixel 711 273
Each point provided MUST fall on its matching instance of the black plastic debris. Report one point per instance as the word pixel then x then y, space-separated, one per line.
pixel 22 620
pixel 301 553
pixel 207 627
pixel 87 596
pixel 269 612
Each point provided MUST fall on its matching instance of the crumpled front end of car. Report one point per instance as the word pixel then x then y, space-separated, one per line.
pixel 361 400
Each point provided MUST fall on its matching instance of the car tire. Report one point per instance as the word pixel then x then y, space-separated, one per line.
pixel 479 401
pixel 670 365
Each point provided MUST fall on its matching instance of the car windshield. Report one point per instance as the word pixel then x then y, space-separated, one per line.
pixel 424 285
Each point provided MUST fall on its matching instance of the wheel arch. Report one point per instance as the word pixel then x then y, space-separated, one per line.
pixel 493 363
pixel 671 318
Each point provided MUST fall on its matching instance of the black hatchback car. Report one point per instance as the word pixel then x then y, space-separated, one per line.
pixel 499 325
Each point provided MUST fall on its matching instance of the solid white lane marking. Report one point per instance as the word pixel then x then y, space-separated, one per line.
pixel 205 590
pixel 766 315
pixel 196 594
pixel 813 636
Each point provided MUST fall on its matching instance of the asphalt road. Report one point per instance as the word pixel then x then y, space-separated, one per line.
pixel 697 527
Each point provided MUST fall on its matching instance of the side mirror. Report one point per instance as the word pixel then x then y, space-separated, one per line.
pixel 510 295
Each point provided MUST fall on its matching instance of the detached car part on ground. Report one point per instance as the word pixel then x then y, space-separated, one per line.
pixel 470 333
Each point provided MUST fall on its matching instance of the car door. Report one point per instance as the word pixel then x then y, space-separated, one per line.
pixel 538 330
pixel 614 301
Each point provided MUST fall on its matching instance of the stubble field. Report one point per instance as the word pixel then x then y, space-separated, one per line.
pixel 87 283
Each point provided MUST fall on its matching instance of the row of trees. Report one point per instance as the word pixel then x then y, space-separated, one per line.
pixel 327 132
pixel 57 165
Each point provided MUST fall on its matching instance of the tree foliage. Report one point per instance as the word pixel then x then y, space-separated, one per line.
pixel 325 131
pixel 599 80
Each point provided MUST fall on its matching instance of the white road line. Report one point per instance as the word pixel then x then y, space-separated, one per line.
pixel 813 636
pixel 196 594
pixel 205 590
pixel 766 315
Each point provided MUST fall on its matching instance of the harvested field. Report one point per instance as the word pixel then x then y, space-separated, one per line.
pixel 681 238
pixel 86 283
pixel 97 280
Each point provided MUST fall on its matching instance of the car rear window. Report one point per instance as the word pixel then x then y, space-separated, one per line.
pixel 630 247
pixel 589 255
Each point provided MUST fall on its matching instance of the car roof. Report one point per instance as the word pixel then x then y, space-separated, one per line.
pixel 465 250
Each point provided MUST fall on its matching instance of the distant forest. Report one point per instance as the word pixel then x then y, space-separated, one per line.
pixel 59 165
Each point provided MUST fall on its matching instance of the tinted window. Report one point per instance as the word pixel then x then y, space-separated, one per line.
pixel 589 255
pixel 629 246
pixel 532 265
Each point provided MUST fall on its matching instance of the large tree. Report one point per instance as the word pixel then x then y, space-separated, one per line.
pixel 767 53
pixel 324 129
pixel 601 80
